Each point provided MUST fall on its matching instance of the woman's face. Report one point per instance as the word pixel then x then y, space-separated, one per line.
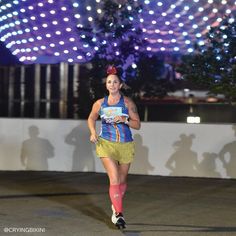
pixel 113 84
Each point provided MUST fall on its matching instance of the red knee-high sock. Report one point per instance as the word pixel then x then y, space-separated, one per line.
pixel 116 197
pixel 123 188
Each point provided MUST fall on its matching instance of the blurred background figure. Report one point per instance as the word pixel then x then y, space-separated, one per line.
pixel 36 151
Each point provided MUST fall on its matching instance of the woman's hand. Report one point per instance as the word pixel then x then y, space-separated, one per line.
pixel 119 119
pixel 94 138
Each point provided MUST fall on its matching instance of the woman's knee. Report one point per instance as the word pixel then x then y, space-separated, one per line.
pixel 112 170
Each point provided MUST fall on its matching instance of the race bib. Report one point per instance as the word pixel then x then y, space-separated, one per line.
pixel 111 112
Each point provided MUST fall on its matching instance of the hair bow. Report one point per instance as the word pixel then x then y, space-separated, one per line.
pixel 111 70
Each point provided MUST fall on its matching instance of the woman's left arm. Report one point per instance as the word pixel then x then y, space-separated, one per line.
pixel 134 120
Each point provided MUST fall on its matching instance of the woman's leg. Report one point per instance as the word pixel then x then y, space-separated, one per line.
pixel 112 169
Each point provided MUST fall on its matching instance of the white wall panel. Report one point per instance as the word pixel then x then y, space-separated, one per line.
pixel 167 149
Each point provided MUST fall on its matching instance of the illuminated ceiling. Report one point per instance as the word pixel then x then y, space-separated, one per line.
pixel 45 31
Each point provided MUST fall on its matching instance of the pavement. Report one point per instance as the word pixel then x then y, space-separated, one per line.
pixel 77 204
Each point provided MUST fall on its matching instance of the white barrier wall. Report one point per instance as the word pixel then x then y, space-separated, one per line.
pixel 167 149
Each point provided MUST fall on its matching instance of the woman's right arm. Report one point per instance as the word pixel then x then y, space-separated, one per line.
pixel 93 116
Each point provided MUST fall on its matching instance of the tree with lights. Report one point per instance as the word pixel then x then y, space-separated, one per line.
pixel 213 65
pixel 113 38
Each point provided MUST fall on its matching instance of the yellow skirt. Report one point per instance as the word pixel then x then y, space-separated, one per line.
pixel 121 152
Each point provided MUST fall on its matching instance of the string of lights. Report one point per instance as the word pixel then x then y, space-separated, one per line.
pixel 46 31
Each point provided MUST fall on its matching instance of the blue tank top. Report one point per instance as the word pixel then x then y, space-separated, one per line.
pixel 115 132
